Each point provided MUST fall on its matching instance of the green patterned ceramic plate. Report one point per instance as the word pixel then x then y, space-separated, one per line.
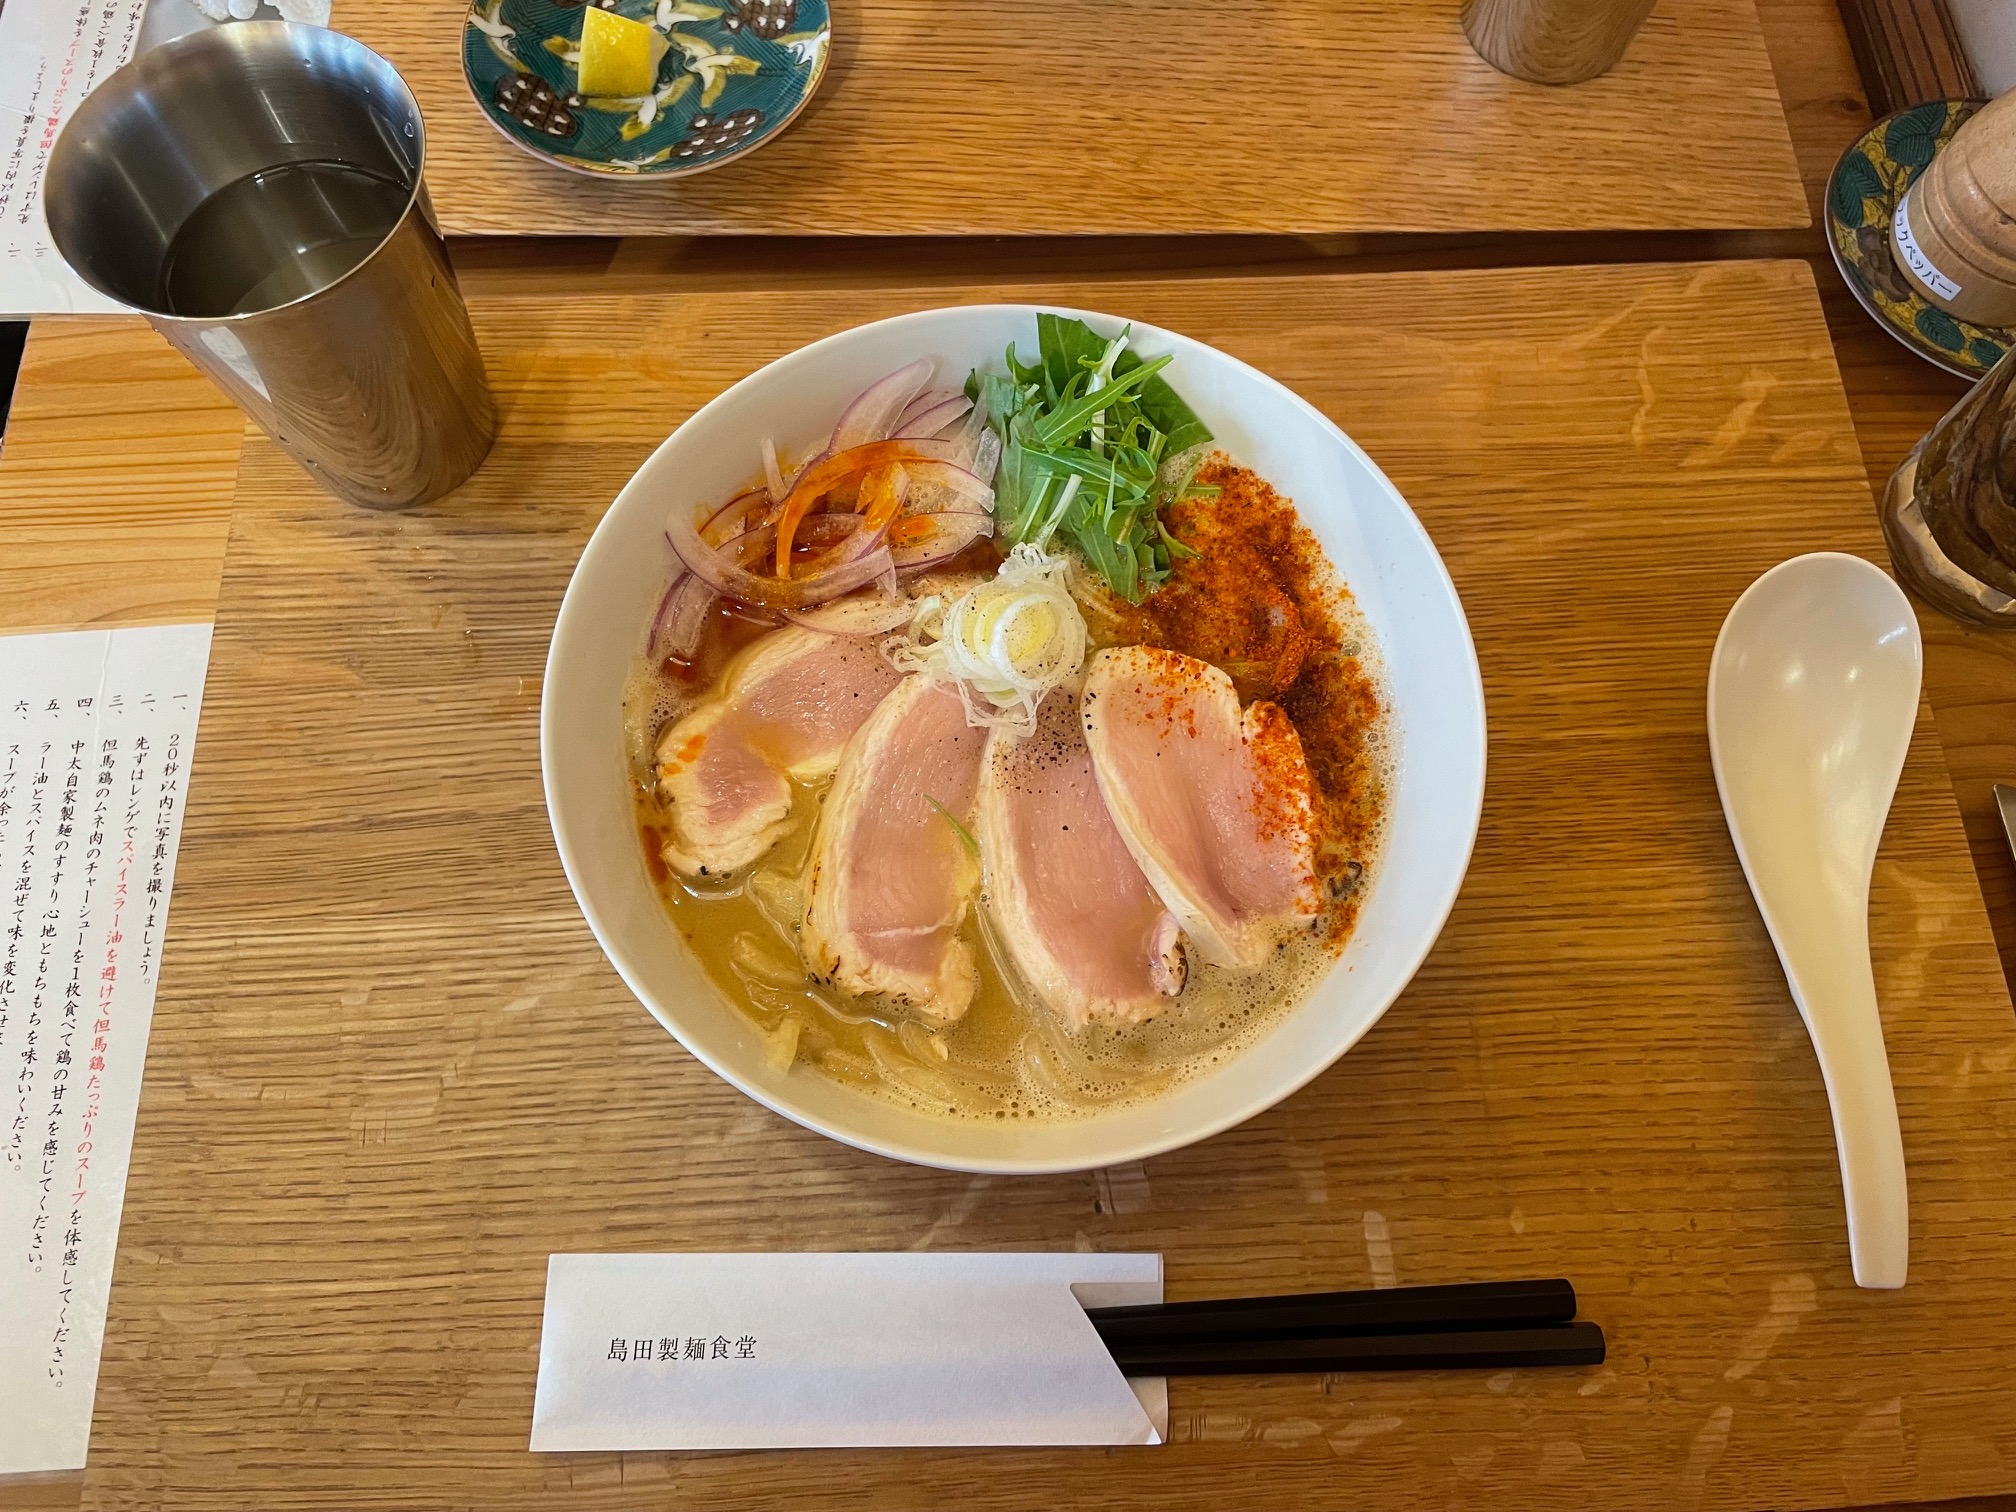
pixel 732 74
pixel 1862 197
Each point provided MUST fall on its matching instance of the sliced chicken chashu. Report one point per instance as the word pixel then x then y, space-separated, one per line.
pixel 784 710
pixel 1066 900
pixel 1215 805
pixel 890 877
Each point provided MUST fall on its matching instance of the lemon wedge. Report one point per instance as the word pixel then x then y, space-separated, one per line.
pixel 616 54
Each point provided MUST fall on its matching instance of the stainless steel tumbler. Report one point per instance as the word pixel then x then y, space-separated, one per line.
pixel 255 190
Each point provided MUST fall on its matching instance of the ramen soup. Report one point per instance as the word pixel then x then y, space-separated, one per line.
pixel 1016 756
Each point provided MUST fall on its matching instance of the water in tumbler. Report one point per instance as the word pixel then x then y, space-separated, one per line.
pixel 276 236
pixel 314 292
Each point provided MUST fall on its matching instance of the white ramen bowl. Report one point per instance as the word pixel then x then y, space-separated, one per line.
pixel 1372 537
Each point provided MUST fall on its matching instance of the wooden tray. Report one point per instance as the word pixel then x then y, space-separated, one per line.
pixel 391 1072
pixel 1009 117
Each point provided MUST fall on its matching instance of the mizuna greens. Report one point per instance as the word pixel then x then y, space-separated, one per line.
pixel 1093 449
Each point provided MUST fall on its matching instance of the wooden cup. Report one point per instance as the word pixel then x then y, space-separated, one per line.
pixel 1954 234
pixel 1553 41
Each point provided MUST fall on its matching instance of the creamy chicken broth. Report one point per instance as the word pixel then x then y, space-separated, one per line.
pixel 1004 1058
pixel 1007 1057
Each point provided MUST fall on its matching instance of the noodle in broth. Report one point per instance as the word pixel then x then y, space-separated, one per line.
pixel 1010 1057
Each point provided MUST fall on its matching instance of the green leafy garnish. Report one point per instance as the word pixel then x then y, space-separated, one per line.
pixel 965 835
pixel 1089 433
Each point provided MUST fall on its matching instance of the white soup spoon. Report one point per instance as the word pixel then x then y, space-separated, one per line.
pixel 1811 698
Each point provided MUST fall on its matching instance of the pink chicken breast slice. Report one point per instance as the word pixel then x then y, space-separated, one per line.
pixel 784 710
pixel 890 878
pixel 1216 807
pixel 1066 901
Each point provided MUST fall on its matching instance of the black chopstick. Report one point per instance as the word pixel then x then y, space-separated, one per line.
pixel 1410 1309
pixel 1474 1349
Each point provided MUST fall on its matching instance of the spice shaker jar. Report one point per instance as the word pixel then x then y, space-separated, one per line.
pixel 1954 234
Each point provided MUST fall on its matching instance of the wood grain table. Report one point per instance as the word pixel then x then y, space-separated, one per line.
pixel 392 1072
pixel 973 117
pixel 119 467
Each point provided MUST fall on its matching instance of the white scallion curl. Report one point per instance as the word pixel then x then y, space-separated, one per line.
pixel 971 642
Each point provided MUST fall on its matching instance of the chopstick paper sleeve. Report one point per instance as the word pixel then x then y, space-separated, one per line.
pixel 780 1351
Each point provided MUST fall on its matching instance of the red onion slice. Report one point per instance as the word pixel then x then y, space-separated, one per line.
pixel 679 575
pixel 750 547
pixel 854 535
pixel 950 533
pixel 965 441
pixel 856 463
pixel 873 413
pixel 924 401
pixel 939 486
pixel 857 614
pixel 933 420
pixel 773 472
pixel 734 518
pixel 681 618
pixel 844 534
pixel 827 529
pixel 722 572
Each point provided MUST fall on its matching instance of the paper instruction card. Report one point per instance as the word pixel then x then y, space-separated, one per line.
pixel 51 54
pixel 96 732
pixel 804 1351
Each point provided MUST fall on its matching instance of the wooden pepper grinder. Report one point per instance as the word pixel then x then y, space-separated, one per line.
pixel 1949 514
pixel 1954 234
pixel 1553 41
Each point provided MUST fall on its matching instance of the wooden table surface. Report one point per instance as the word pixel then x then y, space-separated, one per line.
pixel 366 1125
pixel 119 463
pixel 974 117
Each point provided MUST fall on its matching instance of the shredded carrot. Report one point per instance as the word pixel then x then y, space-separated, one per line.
pixel 822 478
pixel 882 492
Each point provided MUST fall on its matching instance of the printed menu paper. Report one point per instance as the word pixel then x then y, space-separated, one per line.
pixel 763 1351
pixel 96 731
pixel 51 53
